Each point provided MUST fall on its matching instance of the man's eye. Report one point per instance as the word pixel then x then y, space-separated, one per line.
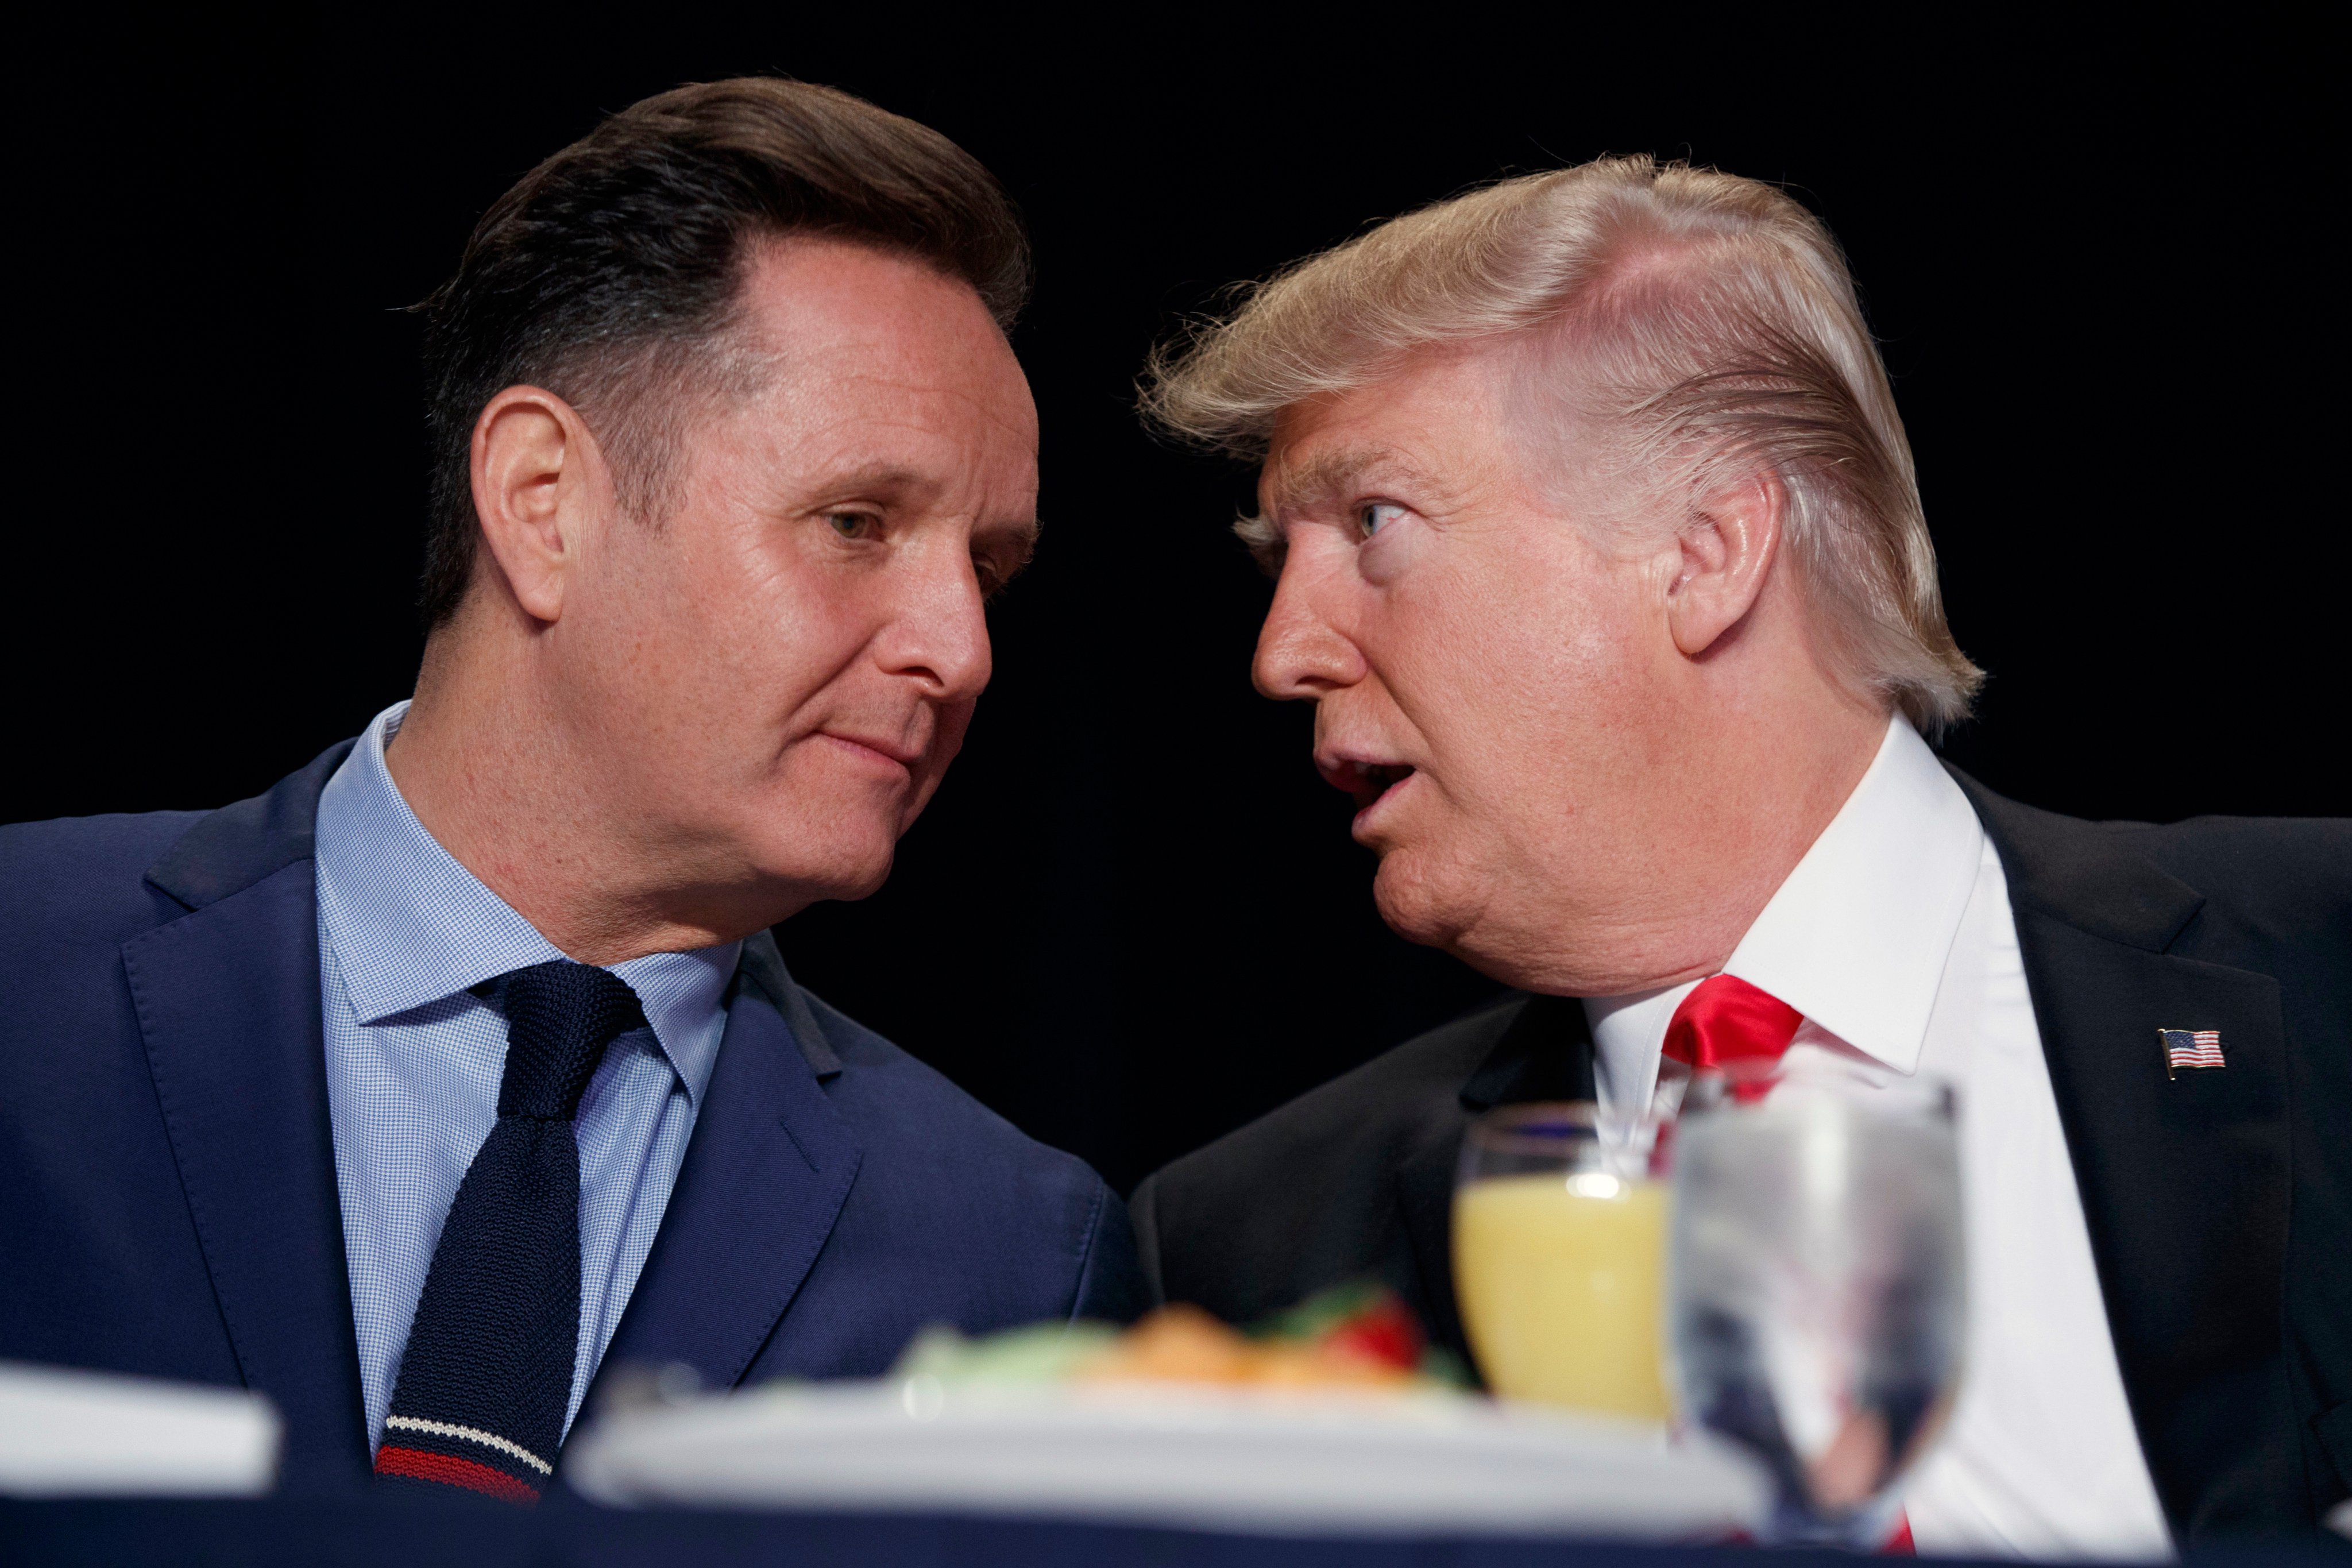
pixel 854 524
pixel 1373 516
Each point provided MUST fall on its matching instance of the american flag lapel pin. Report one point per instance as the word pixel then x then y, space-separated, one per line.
pixel 2190 1048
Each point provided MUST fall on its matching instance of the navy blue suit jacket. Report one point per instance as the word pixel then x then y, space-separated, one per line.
pixel 167 1176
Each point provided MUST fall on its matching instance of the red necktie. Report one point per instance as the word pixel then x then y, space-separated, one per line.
pixel 1726 1020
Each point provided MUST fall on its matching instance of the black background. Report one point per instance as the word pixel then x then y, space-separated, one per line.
pixel 1133 918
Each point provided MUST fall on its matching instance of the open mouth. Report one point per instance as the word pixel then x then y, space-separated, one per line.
pixel 1367 782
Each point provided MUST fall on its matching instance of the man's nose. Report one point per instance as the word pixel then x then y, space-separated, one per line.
pixel 939 635
pixel 1299 652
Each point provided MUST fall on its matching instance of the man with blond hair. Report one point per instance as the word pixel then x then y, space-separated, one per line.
pixel 1600 555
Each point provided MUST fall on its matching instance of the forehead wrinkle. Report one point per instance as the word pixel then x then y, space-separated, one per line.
pixel 877 477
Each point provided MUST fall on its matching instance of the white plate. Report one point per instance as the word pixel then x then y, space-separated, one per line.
pixel 86 1434
pixel 1321 1463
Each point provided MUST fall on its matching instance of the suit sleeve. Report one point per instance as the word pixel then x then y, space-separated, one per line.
pixel 1143 1211
pixel 1110 1278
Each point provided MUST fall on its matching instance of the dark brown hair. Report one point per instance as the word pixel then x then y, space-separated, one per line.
pixel 610 273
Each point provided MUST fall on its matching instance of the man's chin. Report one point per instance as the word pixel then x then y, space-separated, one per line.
pixel 859 879
pixel 1454 910
pixel 843 870
pixel 1416 908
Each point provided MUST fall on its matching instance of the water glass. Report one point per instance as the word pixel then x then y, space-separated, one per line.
pixel 1817 1289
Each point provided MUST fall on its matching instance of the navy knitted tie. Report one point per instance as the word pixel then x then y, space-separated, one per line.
pixel 486 1376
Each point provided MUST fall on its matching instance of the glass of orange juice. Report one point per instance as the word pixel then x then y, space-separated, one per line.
pixel 1560 1238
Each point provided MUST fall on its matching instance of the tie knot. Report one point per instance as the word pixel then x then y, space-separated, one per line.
pixel 1726 1019
pixel 559 1017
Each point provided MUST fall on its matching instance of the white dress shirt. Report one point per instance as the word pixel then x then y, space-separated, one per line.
pixel 1894 938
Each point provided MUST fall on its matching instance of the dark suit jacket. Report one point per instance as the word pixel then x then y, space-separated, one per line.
pixel 167 1177
pixel 2220 1203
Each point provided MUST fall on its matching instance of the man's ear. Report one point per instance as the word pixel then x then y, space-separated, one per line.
pixel 538 480
pixel 1728 548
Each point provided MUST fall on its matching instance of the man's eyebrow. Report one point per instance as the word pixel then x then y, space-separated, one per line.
pixel 888 479
pixel 1023 533
pixel 993 537
pixel 1326 475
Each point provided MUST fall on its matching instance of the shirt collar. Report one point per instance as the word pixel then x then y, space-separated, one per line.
pixel 1628 1033
pixel 410 926
pixel 1855 939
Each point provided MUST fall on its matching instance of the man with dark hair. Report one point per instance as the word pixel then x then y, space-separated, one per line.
pixel 460 1063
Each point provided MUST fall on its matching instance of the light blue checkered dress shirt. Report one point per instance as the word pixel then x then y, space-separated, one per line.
pixel 413 1061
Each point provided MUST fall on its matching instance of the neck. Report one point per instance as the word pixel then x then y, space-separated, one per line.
pixel 1773 786
pixel 1741 776
pixel 488 763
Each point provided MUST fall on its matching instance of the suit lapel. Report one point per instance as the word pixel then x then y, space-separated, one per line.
pixel 1426 1203
pixel 1544 1053
pixel 2184 1179
pixel 765 1176
pixel 228 1001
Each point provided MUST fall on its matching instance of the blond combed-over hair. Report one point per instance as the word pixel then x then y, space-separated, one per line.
pixel 1708 327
